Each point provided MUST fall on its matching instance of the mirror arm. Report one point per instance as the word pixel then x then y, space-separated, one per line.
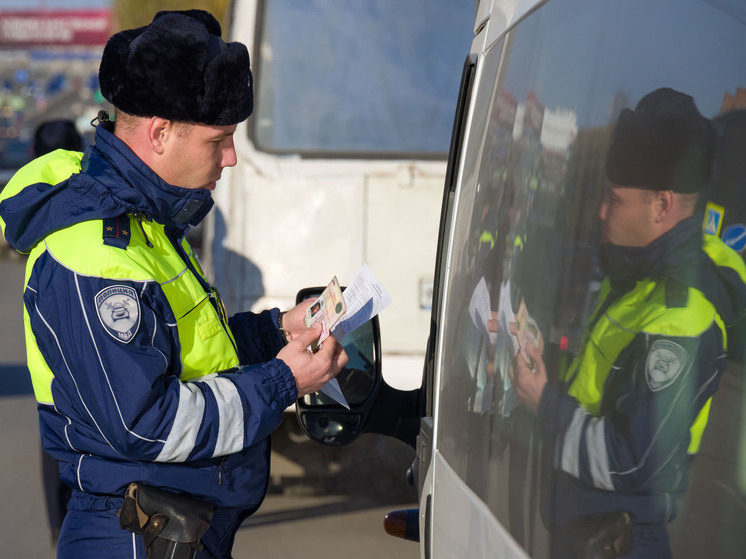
pixel 398 414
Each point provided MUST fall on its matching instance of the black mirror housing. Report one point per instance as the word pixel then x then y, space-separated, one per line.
pixel 375 407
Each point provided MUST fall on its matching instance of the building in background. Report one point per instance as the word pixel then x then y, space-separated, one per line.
pixel 48 70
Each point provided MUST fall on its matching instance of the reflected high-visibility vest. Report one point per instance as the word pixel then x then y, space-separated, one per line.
pixel 644 309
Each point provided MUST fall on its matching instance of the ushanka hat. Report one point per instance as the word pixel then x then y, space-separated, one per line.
pixel 178 68
pixel 664 144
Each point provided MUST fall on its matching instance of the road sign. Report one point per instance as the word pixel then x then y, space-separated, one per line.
pixel 735 236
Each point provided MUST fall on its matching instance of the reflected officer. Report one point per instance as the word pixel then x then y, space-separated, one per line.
pixel 628 418
pixel 157 405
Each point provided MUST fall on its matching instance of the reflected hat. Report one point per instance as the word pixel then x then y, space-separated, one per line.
pixel 664 144
pixel 178 68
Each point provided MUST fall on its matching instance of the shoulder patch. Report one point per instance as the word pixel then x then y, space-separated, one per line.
pixel 118 310
pixel 664 363
pixel 677 294
pixel 116 231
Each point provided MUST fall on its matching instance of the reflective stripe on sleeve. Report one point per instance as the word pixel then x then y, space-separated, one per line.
pixel 569 458
pixel 590 431
pixel 187 422
pixel 598 456
pixel 230 410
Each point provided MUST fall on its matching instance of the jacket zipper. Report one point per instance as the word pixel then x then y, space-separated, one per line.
pixel 138 218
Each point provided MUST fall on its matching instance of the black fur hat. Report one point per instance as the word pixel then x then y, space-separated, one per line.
pixel 664 144
pixel 178 68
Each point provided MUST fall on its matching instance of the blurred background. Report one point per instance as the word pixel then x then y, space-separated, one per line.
pixel 322 502
pixel 49 56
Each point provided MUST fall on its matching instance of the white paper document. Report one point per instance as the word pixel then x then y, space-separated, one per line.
pixel 364 298
pixel 480 310
pixel 333 390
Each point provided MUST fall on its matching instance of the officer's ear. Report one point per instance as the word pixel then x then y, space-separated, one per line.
pixel 158 130
pixel 664 205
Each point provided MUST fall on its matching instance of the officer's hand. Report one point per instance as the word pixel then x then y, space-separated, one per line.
pixel 293 321
pixel 313 370
pixel 528 384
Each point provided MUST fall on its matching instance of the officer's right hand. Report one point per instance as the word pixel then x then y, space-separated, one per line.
pixel 529 380
pixel 313 370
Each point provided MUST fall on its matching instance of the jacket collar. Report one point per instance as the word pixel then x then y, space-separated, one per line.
pixel 114 182
pixel 164 202
pixel 669 256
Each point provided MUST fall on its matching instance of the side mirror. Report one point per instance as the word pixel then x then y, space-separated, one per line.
pixel 323 419
pixel 375 407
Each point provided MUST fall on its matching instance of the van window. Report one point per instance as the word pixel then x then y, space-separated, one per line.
pixel 359 77
pixel 525 232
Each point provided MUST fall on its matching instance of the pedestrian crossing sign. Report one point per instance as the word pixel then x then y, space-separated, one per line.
pixel 713 219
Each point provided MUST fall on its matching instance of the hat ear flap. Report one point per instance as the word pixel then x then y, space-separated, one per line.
pixel 112 72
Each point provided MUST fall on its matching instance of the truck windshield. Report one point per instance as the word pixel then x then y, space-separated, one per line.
pixel 359 78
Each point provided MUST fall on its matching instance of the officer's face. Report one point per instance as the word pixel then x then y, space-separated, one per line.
pixel 628 216
pixel 197 153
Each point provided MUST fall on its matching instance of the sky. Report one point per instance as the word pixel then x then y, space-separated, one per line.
pixel 53 4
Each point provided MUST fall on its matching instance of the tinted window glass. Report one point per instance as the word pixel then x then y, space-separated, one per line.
pixel 358 76
pixel 526 231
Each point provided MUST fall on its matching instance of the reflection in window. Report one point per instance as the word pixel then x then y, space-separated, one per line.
pixel 526 237
pixel 358 76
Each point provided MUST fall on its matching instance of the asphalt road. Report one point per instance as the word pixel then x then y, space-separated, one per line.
pixel 323 503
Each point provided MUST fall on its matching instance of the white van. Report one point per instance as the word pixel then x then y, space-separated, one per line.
pixel 541 90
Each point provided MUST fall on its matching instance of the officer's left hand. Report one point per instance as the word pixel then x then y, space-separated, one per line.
pixel 529 384
pixel 313 370
pixel 293 321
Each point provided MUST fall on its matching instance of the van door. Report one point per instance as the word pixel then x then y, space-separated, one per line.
pixel 522 241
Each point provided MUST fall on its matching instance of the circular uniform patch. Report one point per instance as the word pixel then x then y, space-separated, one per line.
pixel 664 364
pixel 119 311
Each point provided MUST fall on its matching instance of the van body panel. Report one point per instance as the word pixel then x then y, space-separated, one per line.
pixel 550 80
pixel 462 524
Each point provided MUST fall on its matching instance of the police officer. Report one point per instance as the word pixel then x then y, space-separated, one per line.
pixel 158 406
pixel 622 428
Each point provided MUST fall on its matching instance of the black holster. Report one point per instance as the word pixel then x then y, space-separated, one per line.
pixel 171 524
pixel 602 536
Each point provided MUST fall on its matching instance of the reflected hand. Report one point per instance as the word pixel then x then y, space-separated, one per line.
pixel 492 324
pixel 529 384
pixel 514 330
pixel 313 370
